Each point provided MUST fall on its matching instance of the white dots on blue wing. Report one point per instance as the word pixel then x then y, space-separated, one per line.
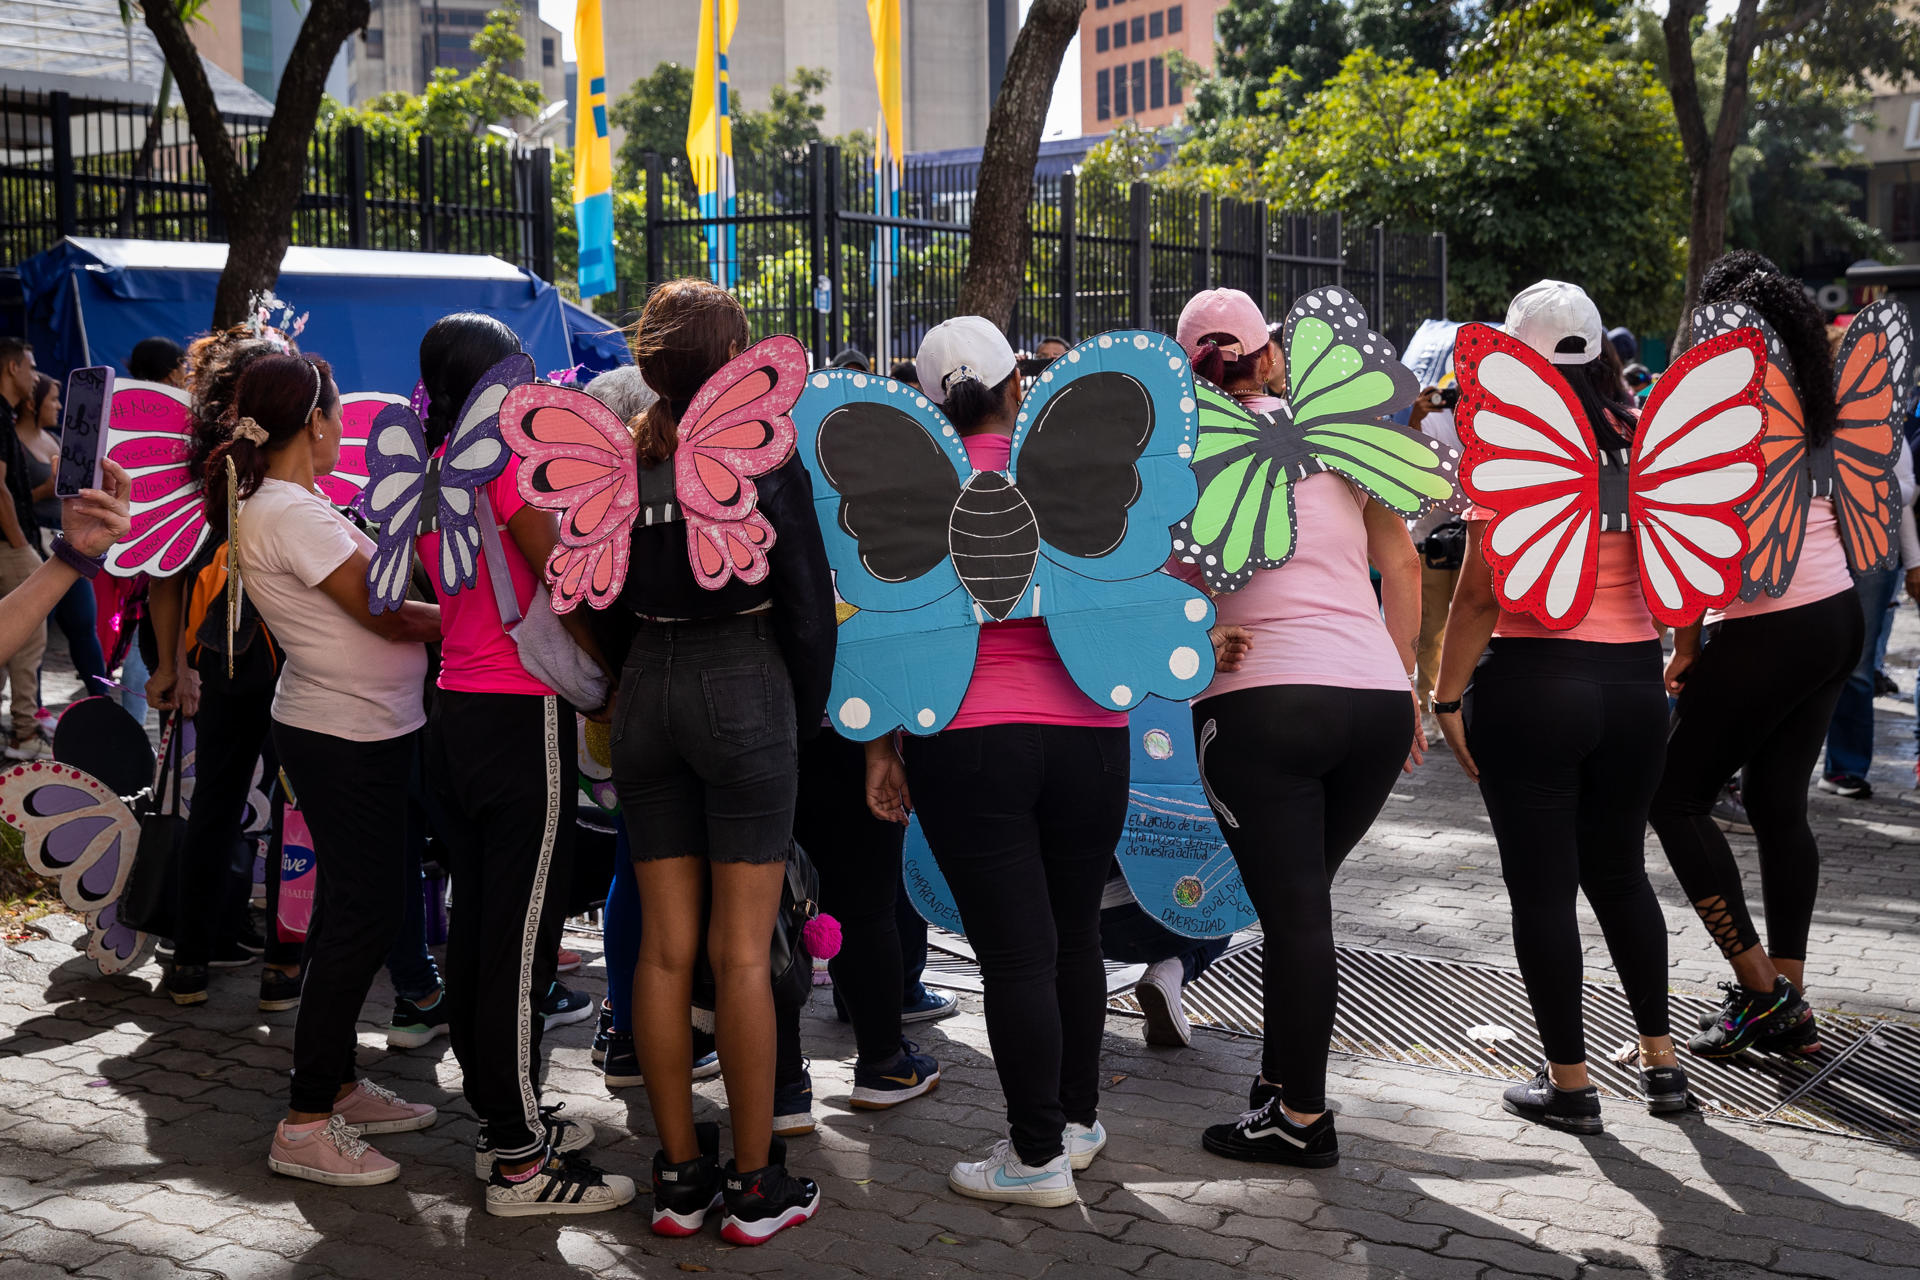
pixel 1196 608
pixel 855 713
pixel 1105 341
pixel 1121 695
pixel 1184 662
pixel 1174 363
pixel 1186 404
pixel 926 717
pixel 1140 341
pixel 1073 356
pixel 1185 451
pixel 820 380
pixel 859 379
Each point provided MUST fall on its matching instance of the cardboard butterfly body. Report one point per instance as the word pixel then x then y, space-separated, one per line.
pixel 1853 467
pixel 82 836
pixel 581 463
pixel 927 548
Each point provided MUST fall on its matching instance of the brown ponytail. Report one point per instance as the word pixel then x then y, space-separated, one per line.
pixel 688 330
pixel 271 405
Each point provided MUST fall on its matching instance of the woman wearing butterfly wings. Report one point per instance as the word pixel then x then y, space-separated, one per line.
pixel 1301 734
pixel 1593 521
pixel 1757 687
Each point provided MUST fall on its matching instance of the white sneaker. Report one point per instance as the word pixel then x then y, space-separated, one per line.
pixel 1158 992
pixel 565 1184
pixel 1083 1143
pixel 1001 1176
pixel 32 747
pixel 564 1136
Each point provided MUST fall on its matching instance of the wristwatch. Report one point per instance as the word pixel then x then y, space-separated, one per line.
pixel 85 565
pixel 1440 708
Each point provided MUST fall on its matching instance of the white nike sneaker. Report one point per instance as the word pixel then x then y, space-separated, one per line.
pixel 1084 1143
pixel 1001 1176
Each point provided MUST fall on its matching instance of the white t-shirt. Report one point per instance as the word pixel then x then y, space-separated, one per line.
pixel 340 678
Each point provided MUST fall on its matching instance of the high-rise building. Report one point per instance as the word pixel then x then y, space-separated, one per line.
pixel 1125 73
pixel 251 40
pixel 953 52
pixel 406 39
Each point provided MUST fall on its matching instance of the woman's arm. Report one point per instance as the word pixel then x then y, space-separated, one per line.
pixel 1470 623
pixel 94 521
pixel 536 533
pixel 887 781
pixel 346 586
pixel 1686 649
pixel 169 686
pixel 28 604
pixel 1390 548
pixel 804 617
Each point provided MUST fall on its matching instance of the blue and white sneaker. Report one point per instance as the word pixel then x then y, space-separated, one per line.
pixel 1083 1143
pixel 1002 1176
pixel 929 1006
pixel 793 1107
pixel 910 1074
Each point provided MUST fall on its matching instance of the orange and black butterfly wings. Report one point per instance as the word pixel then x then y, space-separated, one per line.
pixel 1872 394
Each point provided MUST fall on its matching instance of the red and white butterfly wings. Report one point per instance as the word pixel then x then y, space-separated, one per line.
pixel 736 429
pixel 579 462
pixel 1696 459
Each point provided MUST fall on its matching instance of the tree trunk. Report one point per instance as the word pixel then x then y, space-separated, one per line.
pixel 1709 155
pixel 998 245
pixel 259 206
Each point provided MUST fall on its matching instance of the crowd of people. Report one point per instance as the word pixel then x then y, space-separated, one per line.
pixel 386 726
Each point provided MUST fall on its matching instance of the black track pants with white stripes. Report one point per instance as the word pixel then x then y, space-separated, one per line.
pixel 503 767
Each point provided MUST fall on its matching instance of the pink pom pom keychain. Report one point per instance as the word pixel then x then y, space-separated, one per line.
pixel 821 937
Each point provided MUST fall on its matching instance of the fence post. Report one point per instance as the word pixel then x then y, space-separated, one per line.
pixel 817 247
pixel 429 237
pixel 1339 249
pixel 542 184
pixel 1377 237
pixel 1263 231
pixel 356 140
pixel 1440 255
pixel 835 331
pixel 66 213
pixel 1140 207
pixel 1205 276
pixel 656 196
pixel 1069 252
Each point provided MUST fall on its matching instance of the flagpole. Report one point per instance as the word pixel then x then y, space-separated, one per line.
pixel 882 241
pixel 716 246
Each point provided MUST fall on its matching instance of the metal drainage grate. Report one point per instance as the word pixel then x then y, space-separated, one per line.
pixel 951 964
pixel 1865 1081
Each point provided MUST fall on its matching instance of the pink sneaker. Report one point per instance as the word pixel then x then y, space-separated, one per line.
pixel 569 961
pixel 332 1153
pixel 372 1109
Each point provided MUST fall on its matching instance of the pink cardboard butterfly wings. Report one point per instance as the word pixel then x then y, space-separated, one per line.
pixel 580 463
pixel 82 836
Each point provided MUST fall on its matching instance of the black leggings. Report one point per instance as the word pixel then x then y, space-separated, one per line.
pixel 1023 819
pixel 858 858
pixel 1296 773
pixel 1761 696
pixel 1568 735
pixel 230 732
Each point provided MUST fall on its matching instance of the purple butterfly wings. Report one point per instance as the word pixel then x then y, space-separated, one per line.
pixel 80 835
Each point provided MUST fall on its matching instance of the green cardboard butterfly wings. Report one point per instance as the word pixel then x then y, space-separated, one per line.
pixel 1342 382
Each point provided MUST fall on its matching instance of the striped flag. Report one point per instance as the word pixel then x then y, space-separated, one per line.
pixel 710 135
pixel 592 155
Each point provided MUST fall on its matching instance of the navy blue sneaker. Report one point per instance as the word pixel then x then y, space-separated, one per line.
pixel 620 1067
pixel 929 1006
pixel 793 1106
pixel 910 1074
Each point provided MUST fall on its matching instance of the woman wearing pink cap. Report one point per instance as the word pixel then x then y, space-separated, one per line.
pixel 1301 739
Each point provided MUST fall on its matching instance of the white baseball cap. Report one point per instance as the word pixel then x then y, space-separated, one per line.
pixel 1551 315
pixel 962 348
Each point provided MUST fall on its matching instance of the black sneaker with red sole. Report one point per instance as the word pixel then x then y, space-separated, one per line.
pixel 763 1203
pixel 684 1194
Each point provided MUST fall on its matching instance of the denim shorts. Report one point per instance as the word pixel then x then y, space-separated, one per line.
pixel 705 756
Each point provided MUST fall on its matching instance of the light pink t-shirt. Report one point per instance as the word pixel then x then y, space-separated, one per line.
pixel 1018 677
pixel 1619 612
pixel 1315 619
pixel 1821 572
pixel 476 653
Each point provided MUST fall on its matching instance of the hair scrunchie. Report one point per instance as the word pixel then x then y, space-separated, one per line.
pixel 249 430
pixel 961 373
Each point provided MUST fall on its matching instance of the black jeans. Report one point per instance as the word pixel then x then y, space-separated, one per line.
pixel 858 858
pixel 354 797
pixel 1568 735
pixel 230 731
pixel 503 767
pixel 1023 820
pixel 1758 699
pixel 1296 773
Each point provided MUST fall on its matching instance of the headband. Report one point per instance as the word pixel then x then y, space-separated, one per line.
pixel 318 382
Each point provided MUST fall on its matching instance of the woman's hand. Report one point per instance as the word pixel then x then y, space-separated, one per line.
pixel 887 783
pixel 1913 583
pixel 1231 645
pixel 1454 730
pixel 1677 668
pixel 97 518
pixel 1419 753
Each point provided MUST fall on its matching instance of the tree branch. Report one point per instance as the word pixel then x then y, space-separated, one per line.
pixel 210 138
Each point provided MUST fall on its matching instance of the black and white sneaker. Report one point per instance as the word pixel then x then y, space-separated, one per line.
pixel 186 983
pixel 1260 1093
pixel 683 1194
pixel 279 991
pixel 564 1184
pixel 1665 1089
pixel 602 1033
pixel 564 1137
pixel 564 1006
pixel 1267 1136
pixel 765 1202
pixel 1544 1102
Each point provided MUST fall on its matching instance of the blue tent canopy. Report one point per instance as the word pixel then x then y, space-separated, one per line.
pixel 89 301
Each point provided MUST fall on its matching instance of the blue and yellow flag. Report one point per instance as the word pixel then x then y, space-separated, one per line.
pixel 710 134
pixel 592 155
pixel 883 17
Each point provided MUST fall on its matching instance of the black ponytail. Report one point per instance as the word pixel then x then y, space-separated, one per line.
pixel 1747 277
pixel 970 401
pixel 456 353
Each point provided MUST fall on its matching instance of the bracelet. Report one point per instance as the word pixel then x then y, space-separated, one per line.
pixel 1440 708
pixel 86 566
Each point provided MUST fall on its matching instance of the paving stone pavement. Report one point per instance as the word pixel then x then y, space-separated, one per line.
pixel 133 1134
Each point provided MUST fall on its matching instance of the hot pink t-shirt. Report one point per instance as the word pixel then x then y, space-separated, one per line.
pixel 476 653
pixel 1018 677
pixel 1821 572
pixel 1619 612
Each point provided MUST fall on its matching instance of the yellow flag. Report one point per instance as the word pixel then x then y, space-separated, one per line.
pixel 592 155
pixel 710 135
pixel 883 16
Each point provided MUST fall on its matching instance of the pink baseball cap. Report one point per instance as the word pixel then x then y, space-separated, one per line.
pixel 1227 311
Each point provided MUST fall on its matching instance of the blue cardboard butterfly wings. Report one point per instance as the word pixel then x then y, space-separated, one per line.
pixel 1342 382
pixel 927 548
pixel 413 491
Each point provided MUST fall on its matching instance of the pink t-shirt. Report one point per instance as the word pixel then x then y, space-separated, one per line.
pixel 1018 677
pixel 1618 614
pixel 476 653
pixel 1821 572
pixel 1315 620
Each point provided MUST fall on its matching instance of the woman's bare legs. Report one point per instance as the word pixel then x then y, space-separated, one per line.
pixel 746 899
pixel 673 895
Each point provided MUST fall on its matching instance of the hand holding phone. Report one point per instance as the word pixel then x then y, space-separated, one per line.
pixel 83 429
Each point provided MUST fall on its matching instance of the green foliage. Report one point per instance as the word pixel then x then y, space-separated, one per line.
pixel 1786 200
pixel 457 106
pixel 1259 38
pixel 653 115
pixel 1128 154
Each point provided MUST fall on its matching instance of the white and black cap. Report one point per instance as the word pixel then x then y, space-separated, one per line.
pixel 1558 320
pixel 965 347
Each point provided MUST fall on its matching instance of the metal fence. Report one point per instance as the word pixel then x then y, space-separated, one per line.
pixel 1101 256
pixel 73 166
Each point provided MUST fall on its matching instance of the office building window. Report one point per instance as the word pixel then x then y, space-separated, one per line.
pixel 1173 20
pixel 1156 83
pixel 373 43
pixel 1154 31
pixel 1905 222
pixel 1100 40
pixel 1138 33
pixel 1120 90
pixel 1119 35
pixel 1102 103
pixel 546 51
pixel 1140 86
pixel 1099 4
pixel 1173 89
